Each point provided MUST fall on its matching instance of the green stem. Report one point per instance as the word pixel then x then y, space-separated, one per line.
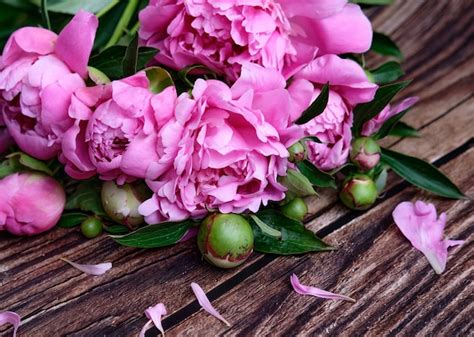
pixel 135 28
pixel 123 22
pixel 45 14
pixel 106 9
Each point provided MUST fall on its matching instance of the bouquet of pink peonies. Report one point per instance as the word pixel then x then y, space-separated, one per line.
pixel 207 119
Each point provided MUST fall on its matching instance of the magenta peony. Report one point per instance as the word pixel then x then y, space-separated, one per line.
pixel 349 86
pixel 5 138
pixel 224 148
pixel 115 130
pixel 279 34
pixel 39 71
pixel 30 203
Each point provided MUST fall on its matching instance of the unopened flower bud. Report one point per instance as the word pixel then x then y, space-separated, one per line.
pixel 297 152
pixel 365 153
pixel 121 202
pixel 225 240
pixel 91 227
pixel 296 209
pixel 358 192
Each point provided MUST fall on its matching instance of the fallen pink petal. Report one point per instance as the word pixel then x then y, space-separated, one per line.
pixel 313 291
pixel 154 315
pixel 91 269
pixel 421 225
pixel 205 304
pixel 12 318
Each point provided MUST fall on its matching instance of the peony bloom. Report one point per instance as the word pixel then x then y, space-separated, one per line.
pixel 224 148
pixel 373 126
pixel 279 34
pixel 349 86
pixel 39 71
pixel 30 203
pixel 5 138
pixel 420 224
pixel 115 130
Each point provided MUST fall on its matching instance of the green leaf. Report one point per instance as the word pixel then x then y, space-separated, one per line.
pixel 29 162
pixel 297 183
pixel 404 130
pixel 267 230
pixel 97 76
pixel 387 73
pixel 196 69
pixel 316 108
pixel 155 236
pixel 73 219
pixel 389 125
pixel 159 79
pixel 129 62
pixel 381 180
pixel 87 198
pixel 383 45
pixel 366 111
pixel 295 238
pixel 116 229
pixel 421 174
pixel 315 175
pixel 73 6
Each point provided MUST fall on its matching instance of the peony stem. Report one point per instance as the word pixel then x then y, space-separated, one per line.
pixel 123 22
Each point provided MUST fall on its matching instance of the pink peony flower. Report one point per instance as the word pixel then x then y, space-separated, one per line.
pixel 5 138
pixel 224 148
pixel 30 203
pixel 419 223
pixel 115 130
pixel 39 71
pixel 349 86
pixel 279 34
pixel 373 126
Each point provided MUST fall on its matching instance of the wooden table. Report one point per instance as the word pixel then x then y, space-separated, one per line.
pixel 397 292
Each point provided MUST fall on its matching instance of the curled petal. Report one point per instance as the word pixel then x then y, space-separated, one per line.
pixel 10 317
pixel 91 269
pixel 313 291
pixel 154 315
pixel 190 233
pixel 205 304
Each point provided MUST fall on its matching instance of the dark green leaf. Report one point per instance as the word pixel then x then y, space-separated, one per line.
pixel 316 108
pixel 73 6
pixel 421 174
pixel 383 45
pixel 295 238
pixel 116 229
pixel 155 236
pixel 387 73
pixel 129 62
pixel 403 130
pixel 366 111
pixel 315 175
pixel 389 124
pixel 87 197
pixel 28 162
pixel 69 220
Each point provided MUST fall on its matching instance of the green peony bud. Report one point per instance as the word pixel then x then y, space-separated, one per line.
pixel 121 202
pixel 365 153
pixel 297 152
pixel 91 227
pixel 358 192
pixel 225 240
pixel 296 209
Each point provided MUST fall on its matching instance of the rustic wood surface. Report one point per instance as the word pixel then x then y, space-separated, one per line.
pixel 396 290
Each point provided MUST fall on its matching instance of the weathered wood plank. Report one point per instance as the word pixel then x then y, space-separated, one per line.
pixel 396 289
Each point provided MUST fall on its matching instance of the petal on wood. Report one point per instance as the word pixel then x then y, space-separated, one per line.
pixel 313 291
pixel 10 317
pixel 205 304
pixel 91 269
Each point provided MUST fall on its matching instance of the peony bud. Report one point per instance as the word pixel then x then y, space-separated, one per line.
pixel 30 203
pixel 225 240
pixel 358 192
pixel 91 227
pixel 296 209
pixel 297 152
pixel 121 202
pixel 365 153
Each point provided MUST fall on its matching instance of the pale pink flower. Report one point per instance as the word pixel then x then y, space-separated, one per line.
pixel 420 224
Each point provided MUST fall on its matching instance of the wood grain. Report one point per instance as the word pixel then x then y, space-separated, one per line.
pixel 54 299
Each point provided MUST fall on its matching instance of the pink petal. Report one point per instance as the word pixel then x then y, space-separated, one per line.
pixel 316 9
pixel 10 317
pixel 205 304
pixel 420 224
pixel 154 315
pixel 91 269
pixel 313 291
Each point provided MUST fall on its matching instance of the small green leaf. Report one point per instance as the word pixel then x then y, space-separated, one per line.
pixel 87 198
pixel 297 183
pixel 315 175
pixel 155 236
pixel 116 229
pixel 195 69
pixel 29 162
pixel 316 108
pixel 387 73
pixel 404 130
pixel 73 219
pixel 382 44
pixel 421 174
pixel 129 61
pixel 295 238
pixel 159 79
pixel 267 230
pixel 97 76
pixel 381 180
pixel 73 6
pixel 366 111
